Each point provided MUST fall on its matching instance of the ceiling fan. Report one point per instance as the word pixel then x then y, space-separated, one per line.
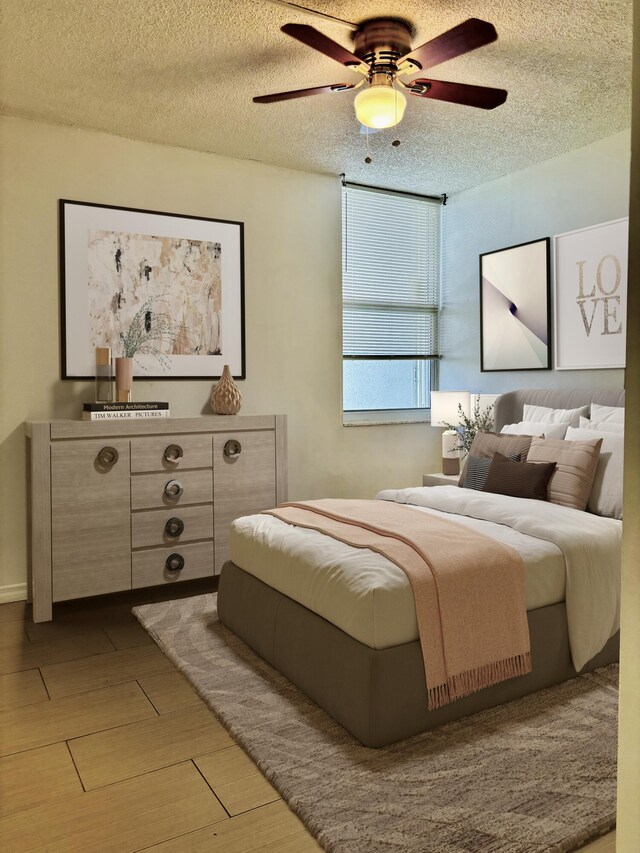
pixel 383 54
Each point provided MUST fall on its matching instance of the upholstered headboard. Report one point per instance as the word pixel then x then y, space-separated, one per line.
pixel 508 407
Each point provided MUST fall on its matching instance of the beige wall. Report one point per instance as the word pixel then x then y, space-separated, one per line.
pixel 628 836
pixel 293 314
pixel 576 189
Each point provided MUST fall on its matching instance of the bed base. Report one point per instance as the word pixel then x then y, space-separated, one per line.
pixel 378 695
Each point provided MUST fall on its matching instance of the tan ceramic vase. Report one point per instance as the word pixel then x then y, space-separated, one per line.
pixel 226 397
pixel 124 379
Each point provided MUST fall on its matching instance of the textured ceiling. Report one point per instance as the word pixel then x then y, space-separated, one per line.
pixel 183 72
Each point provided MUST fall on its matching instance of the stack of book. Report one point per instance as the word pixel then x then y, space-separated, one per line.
pixel 118 411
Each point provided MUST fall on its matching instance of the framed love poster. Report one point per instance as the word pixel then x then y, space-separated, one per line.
pixel 591 296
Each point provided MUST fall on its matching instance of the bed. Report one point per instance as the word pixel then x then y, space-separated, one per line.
pixel 340 624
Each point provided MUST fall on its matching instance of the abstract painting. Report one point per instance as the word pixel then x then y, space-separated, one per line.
pixel 515 308
pixel 177 280
pixel 591 296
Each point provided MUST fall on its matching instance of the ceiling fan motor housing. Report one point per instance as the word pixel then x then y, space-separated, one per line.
pixel 380 42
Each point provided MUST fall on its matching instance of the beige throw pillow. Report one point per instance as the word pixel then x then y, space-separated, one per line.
pixel 487 443
pixel 576 467
pixel 606 492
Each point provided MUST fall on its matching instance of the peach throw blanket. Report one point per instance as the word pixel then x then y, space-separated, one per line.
pixel 468 588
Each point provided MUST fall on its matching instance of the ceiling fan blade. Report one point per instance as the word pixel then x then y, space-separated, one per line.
pixel 467 36
pixel 324 15
pixel 318 41
pixel 458 93
pixel 302 93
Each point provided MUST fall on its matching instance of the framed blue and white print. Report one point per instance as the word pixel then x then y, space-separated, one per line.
pixel 515 308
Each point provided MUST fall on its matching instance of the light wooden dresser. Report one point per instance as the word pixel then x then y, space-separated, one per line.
pixel 124 504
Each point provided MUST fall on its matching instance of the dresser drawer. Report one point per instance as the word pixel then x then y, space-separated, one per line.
pixel 90 518
pixel 154 567
pixel 166 526
pixel 170 453
pixel 244 480
pixel 149 491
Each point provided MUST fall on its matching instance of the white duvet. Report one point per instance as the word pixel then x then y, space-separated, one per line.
pixel 591 547
pixel 567 555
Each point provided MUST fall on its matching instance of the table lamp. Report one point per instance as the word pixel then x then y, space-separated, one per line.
pixel 444 410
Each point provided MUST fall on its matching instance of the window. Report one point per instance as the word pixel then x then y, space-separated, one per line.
pixel 390 299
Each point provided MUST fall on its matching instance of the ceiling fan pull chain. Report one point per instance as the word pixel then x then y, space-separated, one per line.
pixel 368 159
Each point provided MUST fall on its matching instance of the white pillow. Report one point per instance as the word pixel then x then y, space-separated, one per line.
pixel 554 416
pixel 606 492
pixel 607 414
pixel 536 428
pixel 602 426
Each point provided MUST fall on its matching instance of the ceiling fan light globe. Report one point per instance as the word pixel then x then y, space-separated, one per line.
pixel 380 106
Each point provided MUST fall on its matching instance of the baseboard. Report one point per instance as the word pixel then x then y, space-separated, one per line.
pixel 13 592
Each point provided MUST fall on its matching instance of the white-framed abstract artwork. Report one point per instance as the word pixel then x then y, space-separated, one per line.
pixel 515 308
pixel 591 296
pixel 175 281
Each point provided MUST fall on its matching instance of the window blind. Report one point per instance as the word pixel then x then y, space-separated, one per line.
pixel 390 275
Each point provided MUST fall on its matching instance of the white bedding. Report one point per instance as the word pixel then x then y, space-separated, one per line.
pixel 567 554
pixel 591 547
pixel 360 591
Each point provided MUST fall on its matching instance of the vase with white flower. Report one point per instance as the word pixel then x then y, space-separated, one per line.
pixel 480 419
pixel 150 332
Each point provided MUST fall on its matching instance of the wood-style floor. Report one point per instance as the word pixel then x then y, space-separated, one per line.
pixel 105 747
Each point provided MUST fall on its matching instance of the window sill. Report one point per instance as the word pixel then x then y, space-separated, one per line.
pixel 386 417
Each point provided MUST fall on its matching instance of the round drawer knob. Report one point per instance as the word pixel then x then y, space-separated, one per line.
pixel 174 563
pixel 108 456
pixel 232 448
pixel 174 527
pixel 174 489
pixel 173 453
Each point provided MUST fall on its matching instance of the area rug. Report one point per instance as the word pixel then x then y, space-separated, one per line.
pixel 535 775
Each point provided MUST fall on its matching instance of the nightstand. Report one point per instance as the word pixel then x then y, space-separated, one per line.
pixel 440 479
